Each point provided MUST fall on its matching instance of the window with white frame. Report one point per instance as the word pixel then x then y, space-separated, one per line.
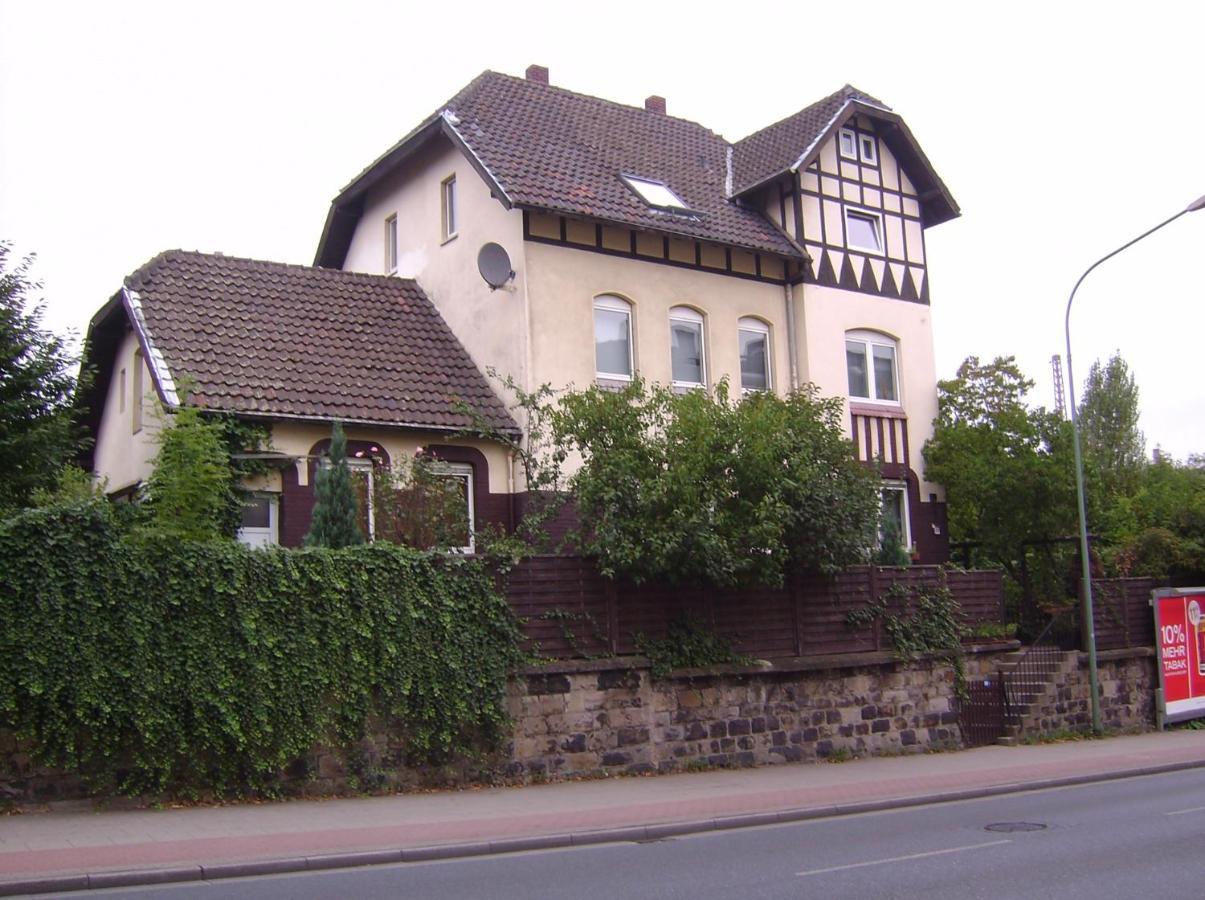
pixel 868 149
pixel 447 192
pixel 894 515
pixel 871 365
pixel 391 244
pixel 686 347
pixel 258 526
pixel 613 338
pixel 466 524
pixel 754 337
pixel 863 230
pixel 848 142
pixel 654 193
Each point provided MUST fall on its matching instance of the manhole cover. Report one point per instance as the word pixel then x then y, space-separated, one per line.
pixel 1014 826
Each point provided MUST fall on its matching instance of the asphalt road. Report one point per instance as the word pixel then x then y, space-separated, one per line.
pixel 1134 838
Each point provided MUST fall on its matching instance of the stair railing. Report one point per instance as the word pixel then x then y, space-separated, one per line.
pixel 1034 666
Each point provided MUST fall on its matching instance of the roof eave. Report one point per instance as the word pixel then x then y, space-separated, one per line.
pixel 511 430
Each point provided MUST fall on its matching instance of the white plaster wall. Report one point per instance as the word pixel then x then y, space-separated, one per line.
pixel 490 324
pixel 121 455
pixel 828 313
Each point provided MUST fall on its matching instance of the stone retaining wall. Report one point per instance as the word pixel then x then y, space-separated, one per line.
pixel 609 717
pixel 1128 680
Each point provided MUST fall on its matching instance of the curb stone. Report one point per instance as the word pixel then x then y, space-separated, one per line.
pixel 627 833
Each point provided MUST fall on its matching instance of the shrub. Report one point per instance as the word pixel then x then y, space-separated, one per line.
pixel 152 663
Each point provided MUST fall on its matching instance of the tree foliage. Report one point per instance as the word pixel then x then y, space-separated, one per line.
pixel 39 433
pixel 191 484
pixel 335 521
pixel 691 487
pixel 1007 469
pixel 1113 446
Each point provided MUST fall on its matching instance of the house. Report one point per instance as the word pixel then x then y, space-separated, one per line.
pixel 294 348
pixel 619 241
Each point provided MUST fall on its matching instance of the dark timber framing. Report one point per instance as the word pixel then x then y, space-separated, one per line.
pixel 849 192
pixel 664 259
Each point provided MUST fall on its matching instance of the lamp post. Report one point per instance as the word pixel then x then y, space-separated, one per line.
pixel 1086 567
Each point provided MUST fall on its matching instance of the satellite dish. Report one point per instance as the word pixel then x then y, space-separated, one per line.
pixel 494 265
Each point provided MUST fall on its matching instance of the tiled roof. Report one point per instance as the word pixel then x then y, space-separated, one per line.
pixel 291 341
pixel 778 147
pixel 553 149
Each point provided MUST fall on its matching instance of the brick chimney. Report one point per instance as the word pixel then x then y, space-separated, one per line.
pixel 655 104
pixel 537 74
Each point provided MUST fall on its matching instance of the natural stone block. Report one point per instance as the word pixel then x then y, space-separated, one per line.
pixel 738 727
pixel 627 679
pixel 616 759
pixel 629 736
pixel 547 684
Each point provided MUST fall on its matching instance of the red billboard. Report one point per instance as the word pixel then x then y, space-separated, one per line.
pixel 1180 634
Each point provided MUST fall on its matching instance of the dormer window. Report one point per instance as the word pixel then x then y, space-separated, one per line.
pixel 654 193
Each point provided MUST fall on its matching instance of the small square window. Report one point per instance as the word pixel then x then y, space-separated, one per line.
pixel 849 144
pixel 654 193
pixel 870 152
pixel 391 244
pixel 863 231
pixel 448 207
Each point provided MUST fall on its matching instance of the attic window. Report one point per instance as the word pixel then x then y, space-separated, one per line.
pixel 870 153
pixel 849 144
pixel 654 193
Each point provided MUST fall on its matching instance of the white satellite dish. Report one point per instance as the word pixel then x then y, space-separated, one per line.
pixel 493 263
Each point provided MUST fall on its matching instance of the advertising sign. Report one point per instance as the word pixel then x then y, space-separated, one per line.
pixel 1180 636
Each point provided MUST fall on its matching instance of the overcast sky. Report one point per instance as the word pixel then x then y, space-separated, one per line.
pixel 1063 130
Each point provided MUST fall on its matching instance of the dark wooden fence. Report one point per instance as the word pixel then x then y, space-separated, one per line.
pixel 570 610
pixel 1121 610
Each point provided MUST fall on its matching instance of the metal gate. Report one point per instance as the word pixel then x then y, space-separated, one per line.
pixel 982 714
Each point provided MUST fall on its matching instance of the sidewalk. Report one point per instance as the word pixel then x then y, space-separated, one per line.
pixel 75 848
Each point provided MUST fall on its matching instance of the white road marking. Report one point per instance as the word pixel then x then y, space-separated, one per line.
pixel 893 859
pixel 1184 812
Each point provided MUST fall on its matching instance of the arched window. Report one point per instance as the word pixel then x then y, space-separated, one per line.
pixel 872 366
pixel 754 337
pixel 612 337
pixel 686 347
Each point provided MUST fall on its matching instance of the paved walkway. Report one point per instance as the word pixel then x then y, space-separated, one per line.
pixel 74 847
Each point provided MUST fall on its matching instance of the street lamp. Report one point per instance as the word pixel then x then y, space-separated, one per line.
pixel 1086 569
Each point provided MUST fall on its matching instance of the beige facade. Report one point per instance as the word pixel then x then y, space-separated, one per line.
pixel 125 441
pixel 539 329
pixel 492 324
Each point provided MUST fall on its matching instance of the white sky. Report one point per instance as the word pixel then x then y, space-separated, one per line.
pixel 1062 129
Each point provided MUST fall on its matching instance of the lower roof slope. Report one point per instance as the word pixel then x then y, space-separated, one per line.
pixel 284 341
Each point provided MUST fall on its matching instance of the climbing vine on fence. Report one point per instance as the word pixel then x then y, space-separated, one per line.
pixel 926 622
pixel 150 664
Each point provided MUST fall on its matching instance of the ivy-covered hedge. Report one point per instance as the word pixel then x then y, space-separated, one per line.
pixel 152 664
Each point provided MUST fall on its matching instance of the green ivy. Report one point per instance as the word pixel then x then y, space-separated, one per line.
pixel 150 664
pixel 688 644
pixel 928 623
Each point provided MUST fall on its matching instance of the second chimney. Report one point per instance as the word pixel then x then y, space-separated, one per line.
pixel 655 104
pixel 538 74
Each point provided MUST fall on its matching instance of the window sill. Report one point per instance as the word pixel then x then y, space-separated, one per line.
pixel 886 410
pixel 611 383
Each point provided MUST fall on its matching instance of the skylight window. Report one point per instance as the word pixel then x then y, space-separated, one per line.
pixel 654 193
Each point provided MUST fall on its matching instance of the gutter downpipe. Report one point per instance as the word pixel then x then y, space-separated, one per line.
pixel 792 348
